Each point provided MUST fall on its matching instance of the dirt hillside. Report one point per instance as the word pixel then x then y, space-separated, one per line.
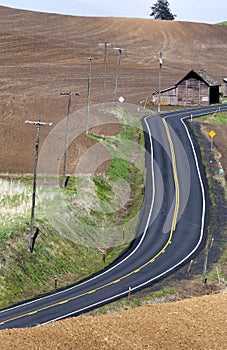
pixel 44 54
pixel 192 324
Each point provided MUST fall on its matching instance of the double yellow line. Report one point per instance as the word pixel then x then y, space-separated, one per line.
pixel 174 222
pixel 175 176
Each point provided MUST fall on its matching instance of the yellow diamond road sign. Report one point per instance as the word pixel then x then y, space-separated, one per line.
pixel 212 133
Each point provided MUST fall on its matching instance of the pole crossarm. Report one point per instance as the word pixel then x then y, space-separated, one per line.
pixel 120 49
pixel 70 93
pixel 105 44
pixel 38 122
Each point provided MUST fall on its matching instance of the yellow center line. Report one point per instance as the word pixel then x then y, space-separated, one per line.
pixel 175 176
pixel 142 266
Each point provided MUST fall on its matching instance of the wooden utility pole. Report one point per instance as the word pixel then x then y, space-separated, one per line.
pixel 104 75
pixel 69 94
pixel 159 82
pixel 89 94
pixel 38 125
pixel 118 71
pixel 206 253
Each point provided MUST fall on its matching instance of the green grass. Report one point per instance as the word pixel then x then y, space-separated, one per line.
pixel 223 99
pixel 103 188
pixel 222 23
pixel 215 275
pixel 128 132
pixel 215 118
pixel 119 169
pixel 24 275
pixel 95 137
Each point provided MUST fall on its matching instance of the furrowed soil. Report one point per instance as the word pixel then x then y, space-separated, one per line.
pixel 43 55
pixel 196 323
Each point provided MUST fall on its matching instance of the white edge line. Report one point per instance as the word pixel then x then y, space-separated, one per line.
pixel 113 267
pixel 85 308
pixel 202 218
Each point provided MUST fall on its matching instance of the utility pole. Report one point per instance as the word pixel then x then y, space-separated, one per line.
pixel 206 253
pixel 104 75
pixel 89 93
pixel 209 245
pixel 159 82
pixel 69 94
pixel 118 71
pixel 38 125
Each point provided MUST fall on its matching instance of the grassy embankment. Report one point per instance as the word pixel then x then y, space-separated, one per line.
pixel 24 275
pixel 218 118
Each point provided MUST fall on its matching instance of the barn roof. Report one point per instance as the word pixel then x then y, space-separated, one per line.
pixel 156 92
pixel 202 74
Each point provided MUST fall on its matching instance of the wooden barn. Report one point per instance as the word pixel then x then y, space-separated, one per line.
pixel 194 89
pixel 225 87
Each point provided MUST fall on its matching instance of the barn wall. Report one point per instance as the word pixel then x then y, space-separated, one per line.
pixel 193 92
pixel 225 88
pixel 166 98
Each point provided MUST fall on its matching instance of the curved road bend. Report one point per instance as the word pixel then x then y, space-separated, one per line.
pixel 171 230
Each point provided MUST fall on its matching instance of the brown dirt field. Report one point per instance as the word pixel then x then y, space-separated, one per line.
pixel 191 324
pixel 44 54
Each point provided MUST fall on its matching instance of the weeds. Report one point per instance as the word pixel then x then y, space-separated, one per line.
pixel 23 275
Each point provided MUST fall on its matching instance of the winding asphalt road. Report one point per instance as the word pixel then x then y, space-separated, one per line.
pixel 172 228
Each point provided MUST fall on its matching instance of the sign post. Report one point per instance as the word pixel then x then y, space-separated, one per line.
pixel 212 133
pixel 121 100
pixel 129 293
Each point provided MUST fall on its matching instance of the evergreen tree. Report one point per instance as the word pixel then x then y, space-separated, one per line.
pixel 160 10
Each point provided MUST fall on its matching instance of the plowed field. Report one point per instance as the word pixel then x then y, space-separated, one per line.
pixel 196 323
pixel 44 54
